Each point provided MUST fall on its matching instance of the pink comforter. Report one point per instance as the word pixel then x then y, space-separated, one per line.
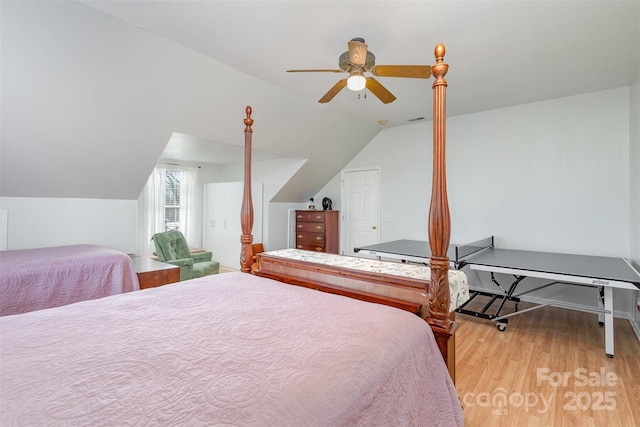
pixel 33 279
pixel 230 349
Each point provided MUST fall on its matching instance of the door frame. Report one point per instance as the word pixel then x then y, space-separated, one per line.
pixel 343 201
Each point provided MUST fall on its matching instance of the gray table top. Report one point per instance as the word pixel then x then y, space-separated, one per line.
pixel 598 267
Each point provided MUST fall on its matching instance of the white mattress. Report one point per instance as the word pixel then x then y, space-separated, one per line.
pixel 458 286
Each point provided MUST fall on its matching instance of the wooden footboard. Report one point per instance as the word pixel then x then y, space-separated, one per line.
pixel 404 293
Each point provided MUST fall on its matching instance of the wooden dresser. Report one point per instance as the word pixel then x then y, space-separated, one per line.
pixel 153 273
pixel 318 231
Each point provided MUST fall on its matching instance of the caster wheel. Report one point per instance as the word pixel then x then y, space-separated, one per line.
pixel 501 326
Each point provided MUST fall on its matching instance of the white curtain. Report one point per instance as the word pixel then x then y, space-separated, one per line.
pixel 190 218
pixel 151 208
pixel 151 211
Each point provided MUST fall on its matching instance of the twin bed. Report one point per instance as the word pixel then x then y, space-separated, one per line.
pixel 240 349
pixel 35 279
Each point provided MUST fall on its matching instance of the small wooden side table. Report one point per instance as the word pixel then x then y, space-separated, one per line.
pixel 153 273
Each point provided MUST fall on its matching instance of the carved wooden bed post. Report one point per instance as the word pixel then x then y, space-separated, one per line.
pixel 439 219
pixel 246 215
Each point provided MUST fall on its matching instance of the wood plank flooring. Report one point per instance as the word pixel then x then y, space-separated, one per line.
pixel 547 369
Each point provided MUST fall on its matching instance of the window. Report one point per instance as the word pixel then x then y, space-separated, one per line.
pixel 172 189
pixel 168 202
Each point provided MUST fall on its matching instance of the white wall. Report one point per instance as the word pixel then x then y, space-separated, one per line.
pixel 548 176
pixel 43 222
pixel 332 190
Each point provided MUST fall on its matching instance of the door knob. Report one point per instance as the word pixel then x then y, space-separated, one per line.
pixel 374 227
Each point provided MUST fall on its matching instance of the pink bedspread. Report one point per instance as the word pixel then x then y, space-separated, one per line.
pixel 230 349
pixel 33 279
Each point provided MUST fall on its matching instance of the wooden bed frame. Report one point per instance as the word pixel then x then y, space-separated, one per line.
pixel 310 275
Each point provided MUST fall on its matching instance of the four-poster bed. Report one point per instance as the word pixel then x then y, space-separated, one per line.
pixel 232 349
pixel 439 314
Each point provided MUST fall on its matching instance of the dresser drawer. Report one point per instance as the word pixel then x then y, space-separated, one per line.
pixel 310 247
pixel 310 238
pixel 312 227
pixel 310 216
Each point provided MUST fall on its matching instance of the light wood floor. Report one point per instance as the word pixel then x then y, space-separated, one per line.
pixel 547 369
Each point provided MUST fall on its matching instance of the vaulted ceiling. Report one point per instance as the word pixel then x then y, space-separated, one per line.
pixel 92 91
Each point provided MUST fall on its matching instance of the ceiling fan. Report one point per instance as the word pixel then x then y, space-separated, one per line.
pixel 358 60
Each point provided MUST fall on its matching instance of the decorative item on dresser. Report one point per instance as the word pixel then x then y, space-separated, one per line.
pixel 318 231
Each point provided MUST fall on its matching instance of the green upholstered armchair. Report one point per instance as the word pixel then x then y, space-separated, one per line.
pixel 172 248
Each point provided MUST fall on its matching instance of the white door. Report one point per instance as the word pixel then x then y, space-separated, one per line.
pixel 359 209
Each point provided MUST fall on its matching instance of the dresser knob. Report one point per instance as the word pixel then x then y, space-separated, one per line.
pixel 300 236
pixel 299 225
pixel 318 227
pixel 299 246
pixel 318 238
pixel 319 249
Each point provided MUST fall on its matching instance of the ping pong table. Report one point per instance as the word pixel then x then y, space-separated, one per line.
pixel 604 273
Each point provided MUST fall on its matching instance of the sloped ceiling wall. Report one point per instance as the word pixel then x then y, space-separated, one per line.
pixel 89 103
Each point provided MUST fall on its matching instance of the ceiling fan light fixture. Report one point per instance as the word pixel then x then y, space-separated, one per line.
pixel 359 60
pixel 356 81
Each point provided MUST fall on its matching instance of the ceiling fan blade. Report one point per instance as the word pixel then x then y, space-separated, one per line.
pixel 333 91
pixel 357 52
pixel 380 91
pixel 410 71
pixel 315 71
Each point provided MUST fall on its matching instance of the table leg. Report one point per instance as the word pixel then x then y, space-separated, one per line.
pixel 608 321
pixel 601 305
